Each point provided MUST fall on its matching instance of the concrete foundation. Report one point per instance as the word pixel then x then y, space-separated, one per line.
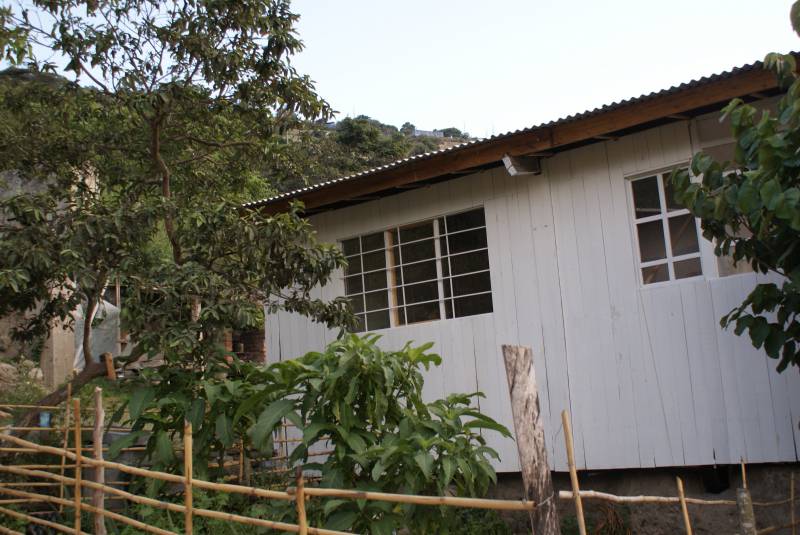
pixel 767 482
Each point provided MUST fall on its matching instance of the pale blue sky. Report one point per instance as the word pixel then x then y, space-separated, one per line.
pixel 490 67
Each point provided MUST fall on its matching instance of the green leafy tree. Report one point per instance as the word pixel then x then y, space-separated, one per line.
pixel 750 209
pixel 139 174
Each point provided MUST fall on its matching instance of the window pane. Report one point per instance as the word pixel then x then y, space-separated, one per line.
pixel 687 268
pixel 470 284
pixel 466 263
pixel 360 328
pixel 372 242
pixel 424 271
pixel 475 304
pixel 424 312
pixel 377 300
pixel 416 232
pixel 352 285
pixel 448 308
pixel 351 247
pixel 375 280
pixel 443 246
pixel 378 320
pixel 357 304
pixel 374 261
pixel 467 241
pixel 418 251
pixel 683 235
pixel 466 220
pixel 669 194
pixel 652 274
pixel 353 265
pixel 427 291
pixel 651 241
pixel 645 197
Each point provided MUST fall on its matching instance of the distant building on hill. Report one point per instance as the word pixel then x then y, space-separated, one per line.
pixel 427 133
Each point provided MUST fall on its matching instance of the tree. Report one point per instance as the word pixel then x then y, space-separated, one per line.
pixel 141 173
pixel 750 209
pixel 408 129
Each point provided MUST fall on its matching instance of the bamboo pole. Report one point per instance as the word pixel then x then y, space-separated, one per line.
pixel 98 496
pixel 744 475
pixel 65 442
pixel 6 531
pixel 78 469
pixel 187 473
pixel 239 489
pixel 573 472
pixel 271 524
pixel 129 521
pixel 791 504
pixel 595 495
pixel 684 510
pixel 34 496
pixel 35 520
pixel 475 503
pixel 300 499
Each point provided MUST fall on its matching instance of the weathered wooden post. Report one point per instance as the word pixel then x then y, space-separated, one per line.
pixel 747 519
pixel 65 445
pixel 99 496
pixel 530 439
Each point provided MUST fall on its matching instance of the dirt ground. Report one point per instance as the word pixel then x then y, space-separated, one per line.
pixel 766 483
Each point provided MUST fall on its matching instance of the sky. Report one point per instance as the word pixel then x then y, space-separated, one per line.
pixel 489 67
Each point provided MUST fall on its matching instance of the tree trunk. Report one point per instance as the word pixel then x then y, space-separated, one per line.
pixel 530 439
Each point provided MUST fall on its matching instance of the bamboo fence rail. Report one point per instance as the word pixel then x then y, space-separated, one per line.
pixel 73 458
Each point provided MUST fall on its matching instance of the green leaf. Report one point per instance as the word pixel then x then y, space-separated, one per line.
pixel 269 418
pixel 197 412
pixel 125 441
pixel 164 452
pixel 332 505
pixel 425 462
pixel 140 400
pixel 341 521
pixel 224 431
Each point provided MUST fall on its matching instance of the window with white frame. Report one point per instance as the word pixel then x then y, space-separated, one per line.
pixel 666 233
pixel 430 270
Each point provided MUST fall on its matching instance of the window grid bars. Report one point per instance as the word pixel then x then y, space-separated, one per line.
pixel 480 249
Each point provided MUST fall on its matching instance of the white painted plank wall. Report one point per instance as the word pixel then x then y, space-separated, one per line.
pixel 650 378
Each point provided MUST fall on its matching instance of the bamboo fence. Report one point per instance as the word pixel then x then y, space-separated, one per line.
pixel 97 489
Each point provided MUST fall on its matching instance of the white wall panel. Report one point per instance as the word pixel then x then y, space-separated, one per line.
pixel 647 373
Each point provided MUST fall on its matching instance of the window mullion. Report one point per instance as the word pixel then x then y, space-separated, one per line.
pixel 662 197
pixel 391 280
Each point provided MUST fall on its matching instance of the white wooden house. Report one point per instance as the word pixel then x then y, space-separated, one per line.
pixel 586 260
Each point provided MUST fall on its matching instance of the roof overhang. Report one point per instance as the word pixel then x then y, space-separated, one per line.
pixel 675 104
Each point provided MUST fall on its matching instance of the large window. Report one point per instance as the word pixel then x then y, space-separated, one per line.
pixel 666 232
pixel 435 269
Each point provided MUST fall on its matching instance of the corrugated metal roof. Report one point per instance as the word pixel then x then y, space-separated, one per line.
pixel 483 141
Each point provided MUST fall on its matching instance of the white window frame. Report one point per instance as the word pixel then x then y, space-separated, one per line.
pixel 395 309
pixel 664 217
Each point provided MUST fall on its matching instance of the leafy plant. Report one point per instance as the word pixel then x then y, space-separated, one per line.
pixel 750 208
pixel 367 404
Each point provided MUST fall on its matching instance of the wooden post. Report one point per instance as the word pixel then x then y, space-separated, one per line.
pixel 684 510
pixel 98 495
pixel 530 439
pixel 573 472
pixel 300 498
pixel 65 445
pixel 744 475
pixel 78 469
pixel 747 519
pixel 111 371
pixel 187 475
pixel 791 503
